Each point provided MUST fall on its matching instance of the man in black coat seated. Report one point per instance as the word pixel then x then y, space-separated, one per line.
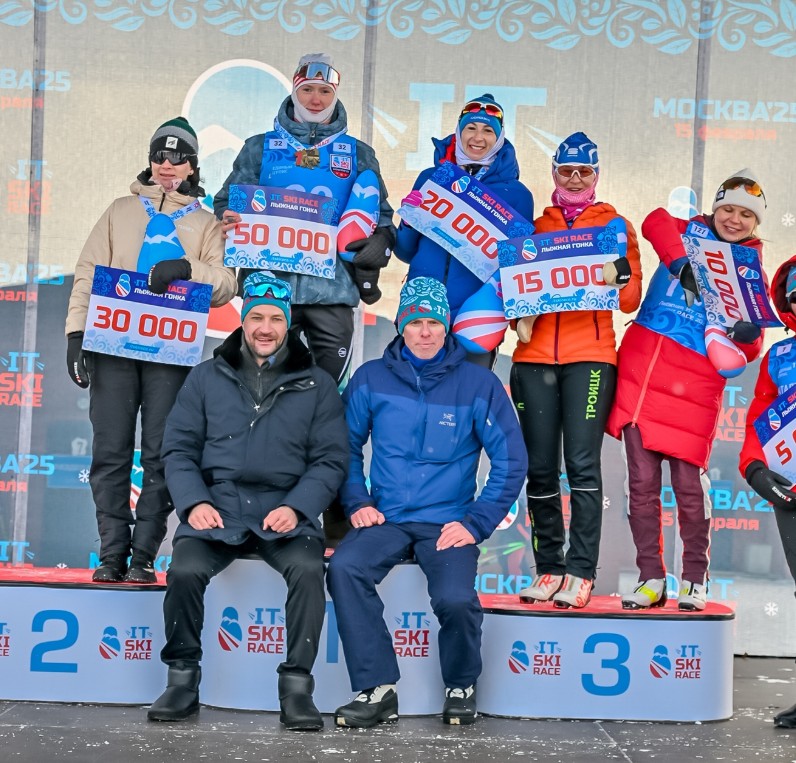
pixel 255 449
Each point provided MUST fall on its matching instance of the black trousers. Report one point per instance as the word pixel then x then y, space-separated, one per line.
pixel 195 561
pixel 328 331
pixel 786 523
pixel 120 388
pixel 564 405
pixel 485 360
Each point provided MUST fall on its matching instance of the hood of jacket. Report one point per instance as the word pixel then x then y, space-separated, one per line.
pixel 777 292
pixel 298 359
pixel 504 169
pixel 310 133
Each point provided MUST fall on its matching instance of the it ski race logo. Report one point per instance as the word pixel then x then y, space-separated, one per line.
pixel 123 285
pixel 529 250
pixel 460 185
pixel 137 645
pixel 518 659
pixel 229 632
pixel 748 273
pixel 258 200
pixel 660 664
pixel 109 646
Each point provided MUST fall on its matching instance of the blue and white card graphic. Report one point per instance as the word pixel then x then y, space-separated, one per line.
pixel 776 431
pixel 127 320
pixel 466 218
pixel 731 282
pixel 283 229
pixel 561 270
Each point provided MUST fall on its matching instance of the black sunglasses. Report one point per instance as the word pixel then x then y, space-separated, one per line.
pixel 174 158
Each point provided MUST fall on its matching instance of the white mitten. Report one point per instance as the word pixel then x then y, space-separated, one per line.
pixel 525 327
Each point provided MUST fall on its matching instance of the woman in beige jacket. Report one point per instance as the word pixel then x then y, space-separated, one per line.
pixel 166 193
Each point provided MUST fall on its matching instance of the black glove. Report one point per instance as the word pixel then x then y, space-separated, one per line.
pixel 367 282
pixel 617 273
pixel 770 485
pixel 373 252
pixel 167 271
pixel 76 360
pixel 744 332
pixel 689 284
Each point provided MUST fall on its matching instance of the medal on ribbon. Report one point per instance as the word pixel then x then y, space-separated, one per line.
pixel 309 158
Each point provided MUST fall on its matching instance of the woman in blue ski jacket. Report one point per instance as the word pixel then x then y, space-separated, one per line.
pixel 479 147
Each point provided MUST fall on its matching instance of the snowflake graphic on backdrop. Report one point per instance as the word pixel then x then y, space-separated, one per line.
pixel 83 476
pixel 606 503
pixel 788 220
pixel 771 608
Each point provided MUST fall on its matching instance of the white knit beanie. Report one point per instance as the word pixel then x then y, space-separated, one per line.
pixel 742 189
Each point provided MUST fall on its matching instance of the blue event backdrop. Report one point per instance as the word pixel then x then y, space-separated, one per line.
pixel 677 96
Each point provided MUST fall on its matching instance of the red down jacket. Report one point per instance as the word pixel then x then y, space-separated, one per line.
pixel 673 394
pixel 767 390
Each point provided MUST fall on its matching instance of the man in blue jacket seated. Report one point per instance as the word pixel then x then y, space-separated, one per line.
pixel 255 448
pixel 428 413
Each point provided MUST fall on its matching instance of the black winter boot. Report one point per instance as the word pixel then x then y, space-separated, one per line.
pixel 141 570
pixel 181 698
pixel 297 711
pixel 111 570
pixel 786 719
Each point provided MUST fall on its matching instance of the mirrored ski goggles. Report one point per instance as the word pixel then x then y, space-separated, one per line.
pixel 752 187
pixel 492 110
pixel 790 285
pixel 175 158
pixel 267 289
pixel 567 171
pixel 318 71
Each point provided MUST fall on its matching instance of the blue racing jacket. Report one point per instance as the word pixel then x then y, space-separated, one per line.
pixel 426 258
pixel 248 169
pixel 427 430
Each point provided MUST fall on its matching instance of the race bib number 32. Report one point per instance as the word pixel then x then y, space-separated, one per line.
pixel 127 320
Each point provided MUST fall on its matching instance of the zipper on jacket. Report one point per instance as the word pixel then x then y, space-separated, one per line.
pixel 299 384
pixel 555 338
pixel 162 202
pixel 419 424
pixel 447 269
pixel 644 386
pixel 262 409
pixel 313 131
pixel 596 324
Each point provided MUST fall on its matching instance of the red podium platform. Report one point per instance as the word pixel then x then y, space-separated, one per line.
pixel 60 578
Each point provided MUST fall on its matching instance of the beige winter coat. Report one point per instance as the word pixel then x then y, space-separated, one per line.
pixel 118 235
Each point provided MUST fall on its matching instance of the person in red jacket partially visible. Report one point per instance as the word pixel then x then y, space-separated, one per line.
pixel 669 394
pixel 777 377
